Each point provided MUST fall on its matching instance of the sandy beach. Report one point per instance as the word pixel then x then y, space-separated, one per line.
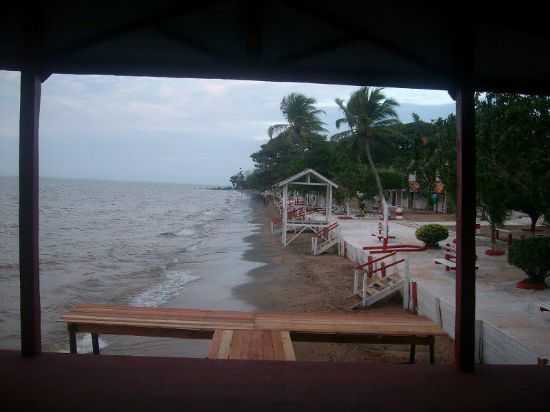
pixel 292 279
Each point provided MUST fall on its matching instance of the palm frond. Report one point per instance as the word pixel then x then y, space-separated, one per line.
pixel 276 130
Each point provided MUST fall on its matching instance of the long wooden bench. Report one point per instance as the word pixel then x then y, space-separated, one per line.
pixel 364 327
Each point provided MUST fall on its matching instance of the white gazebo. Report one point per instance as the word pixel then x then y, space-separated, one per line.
pixel 299 215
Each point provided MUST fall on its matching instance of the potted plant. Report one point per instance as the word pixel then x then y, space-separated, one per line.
pixel 432 234
pixel 532 255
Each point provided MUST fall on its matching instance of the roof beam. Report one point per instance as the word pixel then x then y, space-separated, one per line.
pixel 362 35
pixel 308 184
pixel 318 49
pixel 188 42
pixel 130 27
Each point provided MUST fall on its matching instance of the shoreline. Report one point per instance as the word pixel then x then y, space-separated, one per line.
pixel 291 279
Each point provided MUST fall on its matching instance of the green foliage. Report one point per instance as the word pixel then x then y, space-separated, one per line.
pixel 368 114
pixel 238 181
pixel 369 121
pixel 532 256
pixel 303 121
pixel 513 142
pixel 429 151
pixel 432 234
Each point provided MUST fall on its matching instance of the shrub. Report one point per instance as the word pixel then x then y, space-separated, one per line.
pixel 431 234
pixel 532 256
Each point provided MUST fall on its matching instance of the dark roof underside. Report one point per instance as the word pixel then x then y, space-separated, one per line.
pixel 342 42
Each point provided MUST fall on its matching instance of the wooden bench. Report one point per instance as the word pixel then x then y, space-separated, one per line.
pixel 235 332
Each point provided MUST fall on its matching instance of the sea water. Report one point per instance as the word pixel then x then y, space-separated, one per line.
pixel 129 243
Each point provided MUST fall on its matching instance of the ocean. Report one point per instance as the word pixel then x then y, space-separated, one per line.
pixel 129 243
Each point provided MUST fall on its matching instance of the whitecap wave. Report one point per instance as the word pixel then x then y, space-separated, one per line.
pixel 170 287
pixel 185 232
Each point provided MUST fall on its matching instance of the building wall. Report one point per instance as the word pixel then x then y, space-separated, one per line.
pixel 413 201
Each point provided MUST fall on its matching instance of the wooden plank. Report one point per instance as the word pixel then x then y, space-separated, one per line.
pixel 360 338
pixel 245 341
pixel 220 345
pixel 288 347
pixel 143 331
pixel 255 346
pixel 214 345
pixel 268 346
pixel 225 346
pixel 277 344
pixel 236 343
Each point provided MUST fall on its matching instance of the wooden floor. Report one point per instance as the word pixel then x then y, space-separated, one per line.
pixel 62 382
pixel 251 345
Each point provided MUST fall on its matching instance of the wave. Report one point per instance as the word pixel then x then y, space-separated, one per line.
pixel 183 232
pixel 168 234
pixel 170 287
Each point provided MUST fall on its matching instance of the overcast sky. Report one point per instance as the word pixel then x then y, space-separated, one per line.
pixel 156 129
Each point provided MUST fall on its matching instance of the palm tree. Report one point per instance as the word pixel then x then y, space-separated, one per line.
pixel 302 119
pixel 367 113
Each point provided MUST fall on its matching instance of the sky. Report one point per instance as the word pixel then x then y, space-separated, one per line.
pixel 174 130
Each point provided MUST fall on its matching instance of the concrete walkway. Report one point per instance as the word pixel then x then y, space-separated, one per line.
pixel 512 331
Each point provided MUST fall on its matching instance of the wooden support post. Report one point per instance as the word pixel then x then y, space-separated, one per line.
pixel 412 354
pixel 414 297
pixel 370 268
pixel 95 343
pixel 329 205
pixel 285 215
pixel 28 213
pixel 465 208
pixel 72 339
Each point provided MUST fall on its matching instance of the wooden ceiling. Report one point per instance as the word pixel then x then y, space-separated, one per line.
pixel 345 42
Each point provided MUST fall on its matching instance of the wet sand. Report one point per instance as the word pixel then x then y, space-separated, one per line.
pixel 291 279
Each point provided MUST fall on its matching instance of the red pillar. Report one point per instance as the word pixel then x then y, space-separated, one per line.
pixel 465 228
pixel 28 213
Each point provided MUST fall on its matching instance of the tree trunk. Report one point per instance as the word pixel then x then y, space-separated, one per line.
pixel 385 209
pixel 376 175
pixel 493 236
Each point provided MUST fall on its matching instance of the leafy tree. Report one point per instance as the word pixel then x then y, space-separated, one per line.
pixel 302 118
pixel 367 113
pixel 513 146
pixel 238 180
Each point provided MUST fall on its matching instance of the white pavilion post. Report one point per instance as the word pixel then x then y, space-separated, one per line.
pixel 329 202
pixel 285 214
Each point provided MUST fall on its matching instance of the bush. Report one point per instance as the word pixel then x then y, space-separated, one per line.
pixel 532 256
pixel 431 234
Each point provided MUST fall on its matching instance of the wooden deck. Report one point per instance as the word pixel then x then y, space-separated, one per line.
pixel 227 329
pixel 251 345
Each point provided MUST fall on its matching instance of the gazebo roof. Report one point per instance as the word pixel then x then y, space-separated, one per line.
pixel 383 43
pixel 306 172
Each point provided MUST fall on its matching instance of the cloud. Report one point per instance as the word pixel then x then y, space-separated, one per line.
pixel 165 129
